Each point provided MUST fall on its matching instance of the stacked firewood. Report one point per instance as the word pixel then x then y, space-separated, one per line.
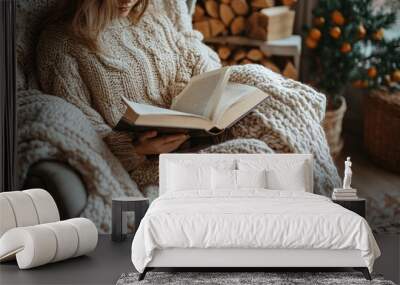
pixel 233 55
pixel 232 17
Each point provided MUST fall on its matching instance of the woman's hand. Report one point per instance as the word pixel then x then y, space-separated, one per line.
pixel 148 143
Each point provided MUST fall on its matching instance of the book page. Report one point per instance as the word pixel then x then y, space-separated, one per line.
pixel 202 94
pixel 144 109
pixel 240 108
pixel 233 93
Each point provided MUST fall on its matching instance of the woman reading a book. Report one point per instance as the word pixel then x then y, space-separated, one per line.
pixel 94 53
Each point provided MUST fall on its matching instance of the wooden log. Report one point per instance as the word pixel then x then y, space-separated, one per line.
pixel 290 71
pixel 255 54
pixel 269 64
pixel 261 4
pixel 262 20
pixel 203 27
pixel 224 52
pixel 232 62
pixel 238 25
pixel 217 27
pixel 239 55
pixel 240 7
pixel 289 3
pixel 199 13
pixel 257 33
pixel 246 61
pixel 226 14
pixel 258 20
pixel 256 26
pixel 212 8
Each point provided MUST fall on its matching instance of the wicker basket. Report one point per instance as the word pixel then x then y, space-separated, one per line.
pixel 333 128
pixel 382 129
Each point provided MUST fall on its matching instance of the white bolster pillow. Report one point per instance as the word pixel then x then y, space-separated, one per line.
pixel 40 244
pixel 7 219
pixel 45 205
pixel 26 208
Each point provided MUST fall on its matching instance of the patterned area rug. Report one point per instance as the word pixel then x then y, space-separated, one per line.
pixel 243 278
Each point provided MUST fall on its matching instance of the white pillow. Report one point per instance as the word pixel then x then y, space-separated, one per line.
pixel 223 179
pixel 251 178
pixel 282 174
pixel 291 179
pixel 228 179
pixel 183 177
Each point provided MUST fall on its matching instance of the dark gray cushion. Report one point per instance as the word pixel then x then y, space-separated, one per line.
pixel 62 182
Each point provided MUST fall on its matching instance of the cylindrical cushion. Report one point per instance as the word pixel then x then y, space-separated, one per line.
pixel 33 246
pixel 67 240
pixel 87 234
pixel 26 208
pixel 41 244
pixel 45 205
pixel 7 218
pixel 23 208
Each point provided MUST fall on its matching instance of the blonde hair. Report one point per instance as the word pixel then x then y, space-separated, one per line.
pixel 86 19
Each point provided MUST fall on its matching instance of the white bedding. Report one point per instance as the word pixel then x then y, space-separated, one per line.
pixel 252 218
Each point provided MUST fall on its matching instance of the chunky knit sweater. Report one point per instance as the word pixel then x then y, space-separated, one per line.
pixel 151 62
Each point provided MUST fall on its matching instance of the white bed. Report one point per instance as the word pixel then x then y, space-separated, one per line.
pixel 195 226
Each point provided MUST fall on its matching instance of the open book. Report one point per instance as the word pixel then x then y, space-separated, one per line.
pixel 208 105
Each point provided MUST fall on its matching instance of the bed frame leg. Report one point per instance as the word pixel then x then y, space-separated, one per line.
pixel 364 271
pixel 143 274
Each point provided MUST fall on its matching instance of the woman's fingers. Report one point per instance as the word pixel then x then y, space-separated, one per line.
pixel 173 138
pixel 150 144
pixel 172 145
pixel 148 135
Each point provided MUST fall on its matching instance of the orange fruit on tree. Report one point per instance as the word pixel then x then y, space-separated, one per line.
pixel 315 34
pixel 311 43
pixel 378 35
pixel 319 21
pixel 335 32
pixel 396 75
pixel 345 48
pixel 372 72
pixel 337 17
pixel 361 31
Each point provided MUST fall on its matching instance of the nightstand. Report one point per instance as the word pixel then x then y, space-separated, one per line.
pixel 358 206
pixel 120 207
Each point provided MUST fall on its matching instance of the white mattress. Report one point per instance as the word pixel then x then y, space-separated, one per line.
pixel 257 218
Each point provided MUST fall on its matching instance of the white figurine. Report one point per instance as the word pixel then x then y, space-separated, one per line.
pixel 347 174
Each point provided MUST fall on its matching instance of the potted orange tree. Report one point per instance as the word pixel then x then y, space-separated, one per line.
pixel 348 46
